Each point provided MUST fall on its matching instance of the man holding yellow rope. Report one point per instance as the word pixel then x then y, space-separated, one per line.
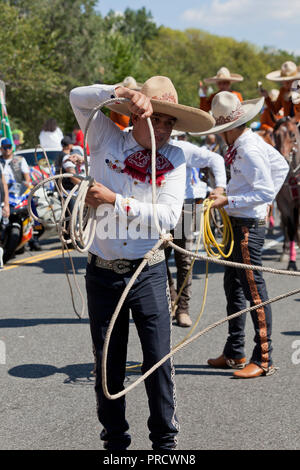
pixel 121 165
pixel 249 192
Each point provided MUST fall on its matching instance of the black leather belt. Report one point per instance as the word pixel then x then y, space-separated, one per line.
pixel 246 221
pixel 123 266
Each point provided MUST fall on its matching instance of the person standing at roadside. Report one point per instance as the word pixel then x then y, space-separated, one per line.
pixel 51 135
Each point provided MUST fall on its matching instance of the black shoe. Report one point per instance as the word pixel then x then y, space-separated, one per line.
pixel 120 442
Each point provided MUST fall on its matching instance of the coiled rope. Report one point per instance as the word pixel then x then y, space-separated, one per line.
pixel 82 231
pixel 64 246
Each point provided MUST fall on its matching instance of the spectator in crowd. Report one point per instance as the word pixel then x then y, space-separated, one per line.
pixel 223 79
pixel 51 135
pixel 288 73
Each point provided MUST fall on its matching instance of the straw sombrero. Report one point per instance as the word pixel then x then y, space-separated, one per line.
pixel 224 74
pixel 164 100
pixel 230 113
pixel 175 133
pixel 130 82
pixel 289 71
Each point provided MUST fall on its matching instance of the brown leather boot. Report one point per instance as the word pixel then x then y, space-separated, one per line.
pixel 223 362
pixel 253 370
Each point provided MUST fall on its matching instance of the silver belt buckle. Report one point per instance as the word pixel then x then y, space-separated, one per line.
pixel 121 266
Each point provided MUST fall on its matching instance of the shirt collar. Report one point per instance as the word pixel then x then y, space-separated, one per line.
pixel 129 141
pixel 241 139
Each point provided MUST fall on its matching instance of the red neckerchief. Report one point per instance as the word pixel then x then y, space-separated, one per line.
pixel 138 166
pixel 230 155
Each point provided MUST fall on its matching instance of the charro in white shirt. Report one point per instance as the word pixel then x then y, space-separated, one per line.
pixel 201 157
pixel 257 173
pixel 109 148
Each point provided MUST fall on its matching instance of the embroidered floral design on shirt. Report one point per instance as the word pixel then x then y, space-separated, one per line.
pixel 126 205
pixel 113 166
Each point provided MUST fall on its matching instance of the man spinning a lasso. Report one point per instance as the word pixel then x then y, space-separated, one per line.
pixel 121 165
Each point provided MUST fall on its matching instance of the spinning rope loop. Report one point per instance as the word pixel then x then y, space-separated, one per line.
pixel 82 231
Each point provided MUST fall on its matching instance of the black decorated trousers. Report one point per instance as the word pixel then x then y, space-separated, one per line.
pixel 149 302
pixel 242 285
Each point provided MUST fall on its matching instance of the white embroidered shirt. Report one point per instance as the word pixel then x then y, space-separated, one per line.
pixel 257 173
pixel 126 230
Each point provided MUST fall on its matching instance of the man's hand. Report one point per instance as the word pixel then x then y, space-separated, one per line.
pixel 219 201
pixel 139 104
pixel 6 210
pixel 76 158
pixel 218 191
pixel 99 194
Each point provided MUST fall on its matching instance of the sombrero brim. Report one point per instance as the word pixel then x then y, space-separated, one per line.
pixel 276 77
pixel 234 77
pixel 138 86
pixel 188 119
pixel 251 109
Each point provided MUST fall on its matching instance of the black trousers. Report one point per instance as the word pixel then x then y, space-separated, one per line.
pixel 242 285
pixel 183 237
pixel 149 303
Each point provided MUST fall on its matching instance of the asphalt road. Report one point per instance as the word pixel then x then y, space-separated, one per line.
pixel 47 395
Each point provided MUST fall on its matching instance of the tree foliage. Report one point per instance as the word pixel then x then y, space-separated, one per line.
pixel 51 46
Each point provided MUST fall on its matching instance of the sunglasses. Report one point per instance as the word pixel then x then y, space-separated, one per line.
pixel 5 147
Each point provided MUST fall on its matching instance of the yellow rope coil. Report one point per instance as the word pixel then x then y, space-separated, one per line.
pixel 210 243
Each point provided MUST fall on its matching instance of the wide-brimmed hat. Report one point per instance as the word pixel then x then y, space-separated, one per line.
pixel 230 113
pixel 289 71
pixel 130 82
pixel 224 74
pixel 164 100
pixel 175 133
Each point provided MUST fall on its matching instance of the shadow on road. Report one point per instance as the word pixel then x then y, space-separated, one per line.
pixel 22 322
pixel 291 333
pixel 74 372
pixel 78 373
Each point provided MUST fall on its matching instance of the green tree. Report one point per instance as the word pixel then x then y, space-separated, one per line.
pixel 51 46
pixel 43 56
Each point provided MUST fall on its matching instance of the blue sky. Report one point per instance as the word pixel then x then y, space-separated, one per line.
pixel 274 23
